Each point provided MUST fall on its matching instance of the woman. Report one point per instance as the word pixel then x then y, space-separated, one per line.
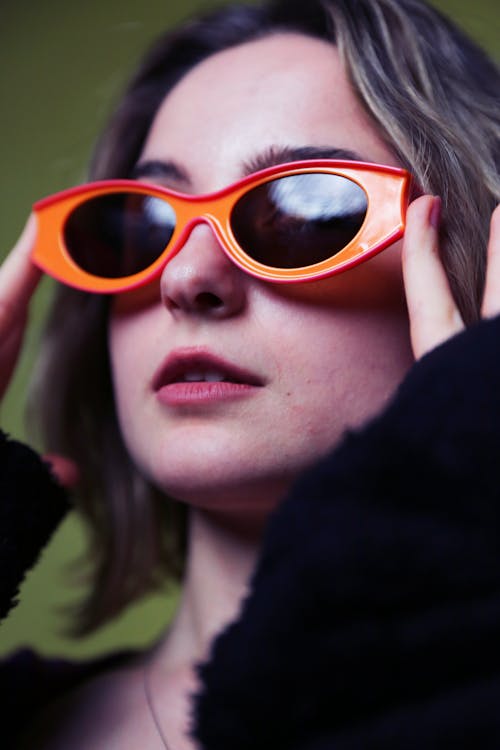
pixel 216 387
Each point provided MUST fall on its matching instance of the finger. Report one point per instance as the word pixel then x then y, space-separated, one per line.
pixel 491 298
pixel 18 279
pixel 64 469
pixel 10 345
pixel 434 316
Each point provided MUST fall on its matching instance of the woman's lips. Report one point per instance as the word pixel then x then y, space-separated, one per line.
pixel 194 376
pixel 183 394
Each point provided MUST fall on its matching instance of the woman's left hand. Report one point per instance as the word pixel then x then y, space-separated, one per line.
pixel 434 316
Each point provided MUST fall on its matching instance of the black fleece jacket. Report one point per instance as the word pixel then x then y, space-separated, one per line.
pixel 373 619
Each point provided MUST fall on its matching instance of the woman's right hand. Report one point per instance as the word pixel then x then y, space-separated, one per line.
pixel 18 280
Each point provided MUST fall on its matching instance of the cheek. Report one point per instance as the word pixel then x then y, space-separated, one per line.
pixel 132 340
pixel 341 365
pixel 131 343
pixel 356 351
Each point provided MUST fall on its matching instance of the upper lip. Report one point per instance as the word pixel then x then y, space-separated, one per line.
pixel 181 362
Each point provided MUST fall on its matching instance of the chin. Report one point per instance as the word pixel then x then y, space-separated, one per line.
pixel 218 493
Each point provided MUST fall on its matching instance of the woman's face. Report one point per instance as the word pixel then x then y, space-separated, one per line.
pixel 304 362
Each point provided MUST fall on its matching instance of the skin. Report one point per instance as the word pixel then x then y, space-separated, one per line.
pixel 342 341
pixel 345 342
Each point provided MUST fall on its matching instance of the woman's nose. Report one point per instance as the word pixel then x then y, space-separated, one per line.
pixel 201 280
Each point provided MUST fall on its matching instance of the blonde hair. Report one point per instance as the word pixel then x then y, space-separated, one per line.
pixel 440 116
pixel 434 97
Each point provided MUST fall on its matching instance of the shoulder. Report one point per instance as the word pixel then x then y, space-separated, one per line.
pixel 29 683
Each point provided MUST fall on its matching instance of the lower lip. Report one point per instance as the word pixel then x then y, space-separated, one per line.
pixel 202 392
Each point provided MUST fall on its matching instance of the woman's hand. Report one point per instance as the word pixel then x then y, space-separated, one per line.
pixel 18 280
pixel 434 316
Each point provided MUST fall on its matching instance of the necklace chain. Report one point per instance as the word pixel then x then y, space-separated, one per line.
pixel 148 694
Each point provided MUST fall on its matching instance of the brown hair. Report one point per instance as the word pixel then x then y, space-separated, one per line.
pixel 434 96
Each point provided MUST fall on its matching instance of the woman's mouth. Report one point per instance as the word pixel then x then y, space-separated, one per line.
pixel 195 376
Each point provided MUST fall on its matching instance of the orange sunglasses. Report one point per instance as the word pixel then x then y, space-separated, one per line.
pixel 293 222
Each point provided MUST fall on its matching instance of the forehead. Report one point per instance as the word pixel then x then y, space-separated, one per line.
pixel 282 90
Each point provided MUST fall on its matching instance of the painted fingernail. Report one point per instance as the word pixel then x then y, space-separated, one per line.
pixel 435 212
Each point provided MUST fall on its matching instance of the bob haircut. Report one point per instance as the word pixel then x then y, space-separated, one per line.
pixel 432 94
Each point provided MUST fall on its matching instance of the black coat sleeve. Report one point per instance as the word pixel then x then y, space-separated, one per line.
pixel 373 620
pixel 32 504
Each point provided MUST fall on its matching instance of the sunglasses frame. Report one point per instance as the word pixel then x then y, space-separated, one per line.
pixel 386 189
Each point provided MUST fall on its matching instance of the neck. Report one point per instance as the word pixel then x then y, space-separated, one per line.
pixel 222 556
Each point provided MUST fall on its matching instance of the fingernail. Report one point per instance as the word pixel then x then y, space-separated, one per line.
pixel 435 212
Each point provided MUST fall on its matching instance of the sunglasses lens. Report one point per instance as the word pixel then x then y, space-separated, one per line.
pixel 300 220
pixel 118 234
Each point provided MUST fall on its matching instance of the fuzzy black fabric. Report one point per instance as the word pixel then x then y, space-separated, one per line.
pixel 373 620
pixel 32 504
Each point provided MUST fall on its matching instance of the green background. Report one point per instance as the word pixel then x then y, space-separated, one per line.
pixel 62 65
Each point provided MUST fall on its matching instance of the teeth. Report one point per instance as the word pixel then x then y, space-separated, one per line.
pixel 192 377
pixel 214 377
pixel 210 377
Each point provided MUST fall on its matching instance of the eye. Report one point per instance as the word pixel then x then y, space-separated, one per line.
pixel 118 234
pixel 318 197
pixel 299 220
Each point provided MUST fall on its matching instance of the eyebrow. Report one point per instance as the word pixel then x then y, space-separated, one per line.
pixel 156 168
pixel 275 155
pixel 270 157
